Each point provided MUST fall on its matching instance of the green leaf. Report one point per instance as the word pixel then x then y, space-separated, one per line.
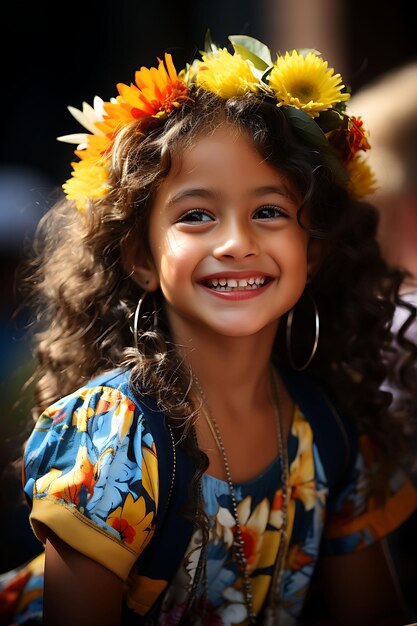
pixel 329 120
pixel 248 55
pixel 341 106
pixel 310 131
pixel 305 126
pixel 249 47
pixel 266 74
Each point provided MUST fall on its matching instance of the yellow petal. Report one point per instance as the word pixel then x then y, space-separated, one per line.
pixel 243 510
pixel 259 518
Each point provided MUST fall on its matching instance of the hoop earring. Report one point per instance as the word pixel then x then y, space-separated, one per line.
pixel 288 333
pixel 135 327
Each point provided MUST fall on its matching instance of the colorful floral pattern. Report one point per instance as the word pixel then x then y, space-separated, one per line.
pixel 82 455
pixel 92 458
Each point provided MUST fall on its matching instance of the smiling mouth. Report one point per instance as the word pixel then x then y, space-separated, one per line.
pixel 237 284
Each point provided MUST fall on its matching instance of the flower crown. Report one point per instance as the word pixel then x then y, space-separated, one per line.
pixel 311 95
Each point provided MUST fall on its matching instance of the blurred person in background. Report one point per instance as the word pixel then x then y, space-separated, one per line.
pixel 23 193
pixel 388 108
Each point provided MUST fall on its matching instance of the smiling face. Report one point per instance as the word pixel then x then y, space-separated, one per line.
pixel 228 252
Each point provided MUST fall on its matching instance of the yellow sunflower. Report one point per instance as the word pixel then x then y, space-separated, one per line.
pixel 362 181
pixel 302 474
pixel 226 75
pixel 88 181
pixel 306 82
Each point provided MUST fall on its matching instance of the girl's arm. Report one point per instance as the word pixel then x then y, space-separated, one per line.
pixel 79 590
pixel 361 589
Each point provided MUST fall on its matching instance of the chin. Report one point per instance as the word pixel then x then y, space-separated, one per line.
pixel 238 330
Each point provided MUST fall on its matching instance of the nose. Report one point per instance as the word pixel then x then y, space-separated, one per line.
pixel 236 240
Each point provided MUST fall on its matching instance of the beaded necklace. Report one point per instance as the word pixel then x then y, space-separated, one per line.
pixel 271 610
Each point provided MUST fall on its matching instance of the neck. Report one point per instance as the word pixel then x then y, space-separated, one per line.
pixel 233 371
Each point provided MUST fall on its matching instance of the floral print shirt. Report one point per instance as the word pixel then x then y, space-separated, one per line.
pixel 91 474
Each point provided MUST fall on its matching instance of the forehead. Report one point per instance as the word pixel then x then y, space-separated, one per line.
pixel 224 160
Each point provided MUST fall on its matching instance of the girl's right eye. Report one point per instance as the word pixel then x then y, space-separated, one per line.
pixel 195 216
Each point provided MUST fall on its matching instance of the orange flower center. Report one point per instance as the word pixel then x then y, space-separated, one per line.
pixel 250 540
pixel 127 532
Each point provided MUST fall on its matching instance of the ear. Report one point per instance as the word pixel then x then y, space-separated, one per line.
pixel 139 266
pixel 314 257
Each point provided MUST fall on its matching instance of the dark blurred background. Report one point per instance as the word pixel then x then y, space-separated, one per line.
pixel 60 54
pixel 57 54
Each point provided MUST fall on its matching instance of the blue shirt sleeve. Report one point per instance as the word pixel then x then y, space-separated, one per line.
pixel 372 503
pixel 91 476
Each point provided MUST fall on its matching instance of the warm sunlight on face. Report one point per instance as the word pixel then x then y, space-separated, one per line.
pixel 229 253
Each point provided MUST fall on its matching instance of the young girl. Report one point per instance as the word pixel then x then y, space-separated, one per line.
pixel 211 246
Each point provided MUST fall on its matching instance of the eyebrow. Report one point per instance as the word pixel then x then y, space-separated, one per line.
pixel 191 193
pixel 281 190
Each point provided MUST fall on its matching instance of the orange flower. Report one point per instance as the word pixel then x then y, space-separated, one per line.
pixel 127 532
pixel 133 522
pixel 98 146
pixel 358 137
pixel 252 525
pixel 157 92
pixel 349 139
pixel 278 501
pixel 276 516
pixel 297 558
pixel 81 478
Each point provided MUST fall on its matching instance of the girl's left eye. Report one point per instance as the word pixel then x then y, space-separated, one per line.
pixel 195 216
pixel 269 212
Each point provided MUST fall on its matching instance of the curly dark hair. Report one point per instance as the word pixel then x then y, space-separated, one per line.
pixel 84 299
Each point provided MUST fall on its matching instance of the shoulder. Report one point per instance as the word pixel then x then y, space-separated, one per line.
pixel 103 416
pixel 113 379
pixel 91 470
pixel 106 398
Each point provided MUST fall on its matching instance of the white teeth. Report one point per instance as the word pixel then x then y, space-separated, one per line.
pixel 228 284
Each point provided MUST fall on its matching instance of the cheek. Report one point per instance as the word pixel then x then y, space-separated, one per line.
pixel 294 270
pixel 293 253
pixel 175 258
